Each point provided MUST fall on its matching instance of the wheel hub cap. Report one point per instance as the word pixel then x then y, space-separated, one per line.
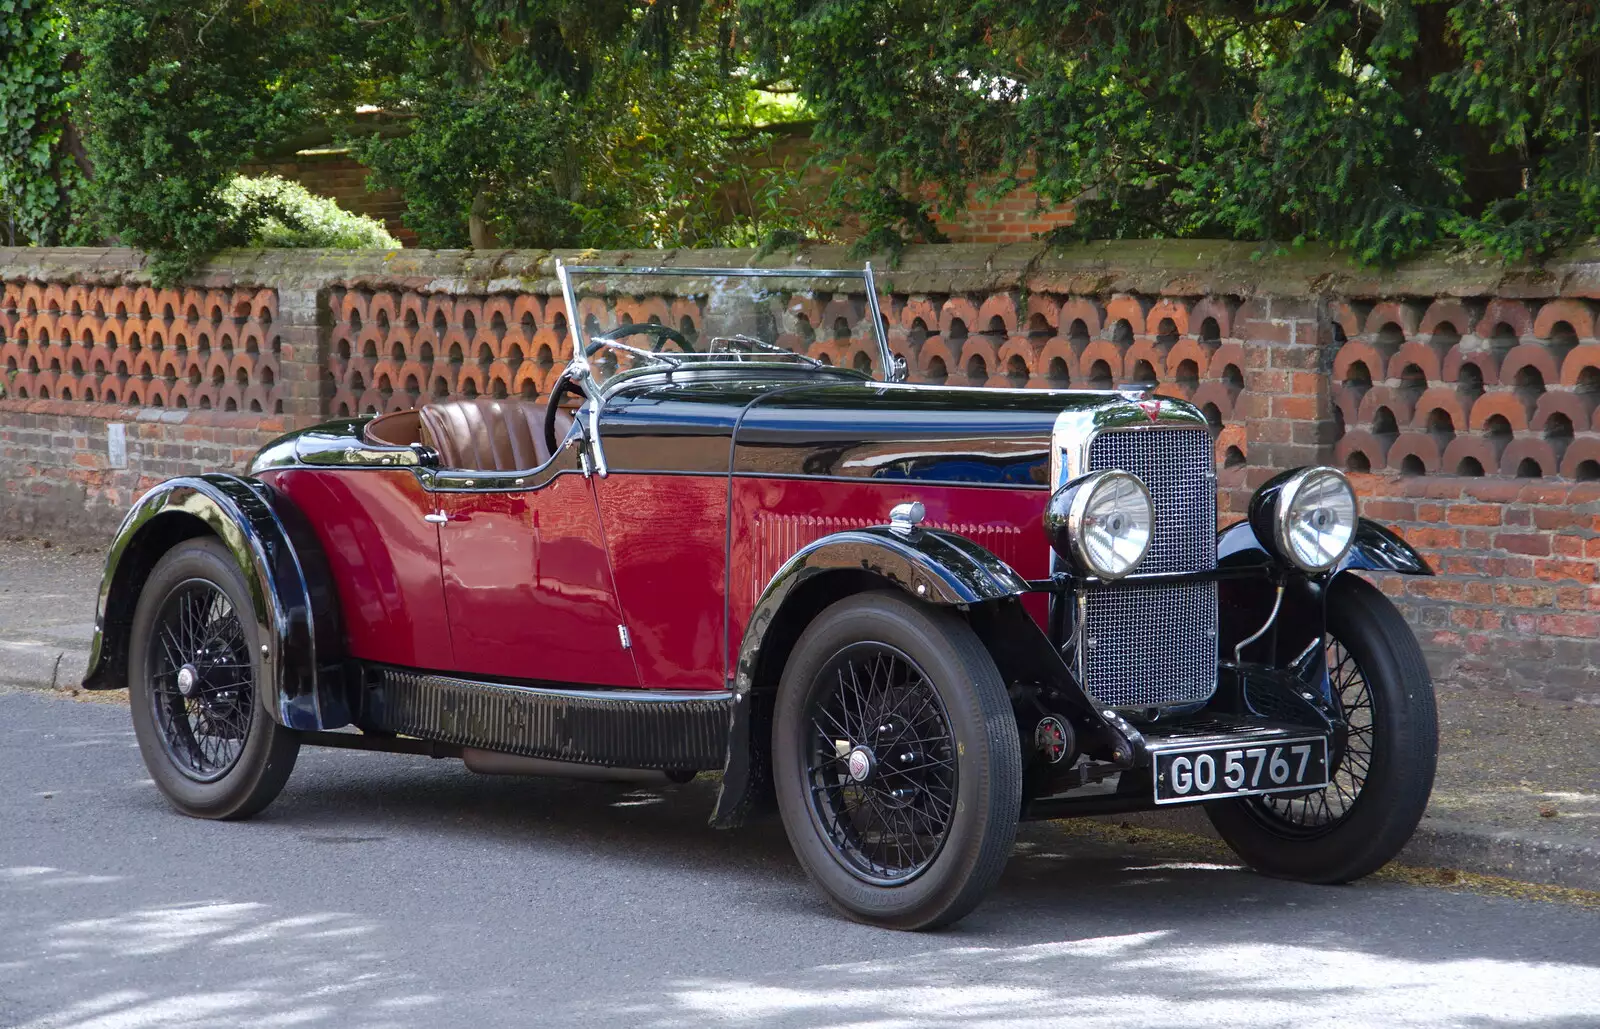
pixel 860 764
pixel 188 680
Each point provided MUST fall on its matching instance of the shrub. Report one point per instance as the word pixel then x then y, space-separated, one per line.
pixel 274 212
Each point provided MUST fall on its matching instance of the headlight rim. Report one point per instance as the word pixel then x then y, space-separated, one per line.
pixel 1080 492
pixel 1290 488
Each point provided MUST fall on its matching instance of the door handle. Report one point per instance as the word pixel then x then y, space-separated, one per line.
pixel 436 517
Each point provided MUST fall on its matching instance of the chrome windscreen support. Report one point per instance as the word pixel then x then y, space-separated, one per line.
pixel 894 369
pixel 1277 602
pixel 581 373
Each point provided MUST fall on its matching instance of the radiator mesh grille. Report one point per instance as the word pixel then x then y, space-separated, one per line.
pixel 1150 646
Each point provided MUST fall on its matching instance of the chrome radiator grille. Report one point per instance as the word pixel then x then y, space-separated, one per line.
pixel 1149 646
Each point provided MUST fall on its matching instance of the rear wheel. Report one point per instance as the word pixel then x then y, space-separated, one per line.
pixel 896 761
pixel 1383 762
pixel 194 677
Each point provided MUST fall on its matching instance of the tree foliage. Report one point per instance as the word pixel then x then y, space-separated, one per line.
pixel 179 96
pixel 570 124
pixel 1381 126
pixel 1378 125
pixel 38 167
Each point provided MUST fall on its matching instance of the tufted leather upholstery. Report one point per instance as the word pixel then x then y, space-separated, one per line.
pixel 485 434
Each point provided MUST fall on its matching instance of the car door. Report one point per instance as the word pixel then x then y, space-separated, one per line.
pixel 665 510
pixel 527 583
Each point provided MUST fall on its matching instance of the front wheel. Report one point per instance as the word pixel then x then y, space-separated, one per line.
pixel 1384 761
pixel 194 678
pixel 896 762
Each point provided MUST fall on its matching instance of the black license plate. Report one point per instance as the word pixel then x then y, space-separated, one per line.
pixel 1247 770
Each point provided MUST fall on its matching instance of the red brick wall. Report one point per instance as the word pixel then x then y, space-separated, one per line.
pixel 1461 396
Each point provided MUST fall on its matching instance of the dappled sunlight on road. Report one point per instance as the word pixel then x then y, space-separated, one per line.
pixel 1154 980
pixel 303 968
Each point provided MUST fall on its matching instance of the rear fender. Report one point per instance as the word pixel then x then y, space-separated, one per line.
pixel 291 599
pixel 930 565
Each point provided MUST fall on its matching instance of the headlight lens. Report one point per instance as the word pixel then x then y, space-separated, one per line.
pixel 1314 518
pixel 1101 523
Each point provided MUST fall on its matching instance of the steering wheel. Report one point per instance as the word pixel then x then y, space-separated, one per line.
pixel 662 333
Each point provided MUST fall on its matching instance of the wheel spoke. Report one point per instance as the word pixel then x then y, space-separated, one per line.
pixel 891 825
pixel 198 627
pixel 1353 700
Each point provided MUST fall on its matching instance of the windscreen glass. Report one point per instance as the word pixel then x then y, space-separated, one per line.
pixel 634 317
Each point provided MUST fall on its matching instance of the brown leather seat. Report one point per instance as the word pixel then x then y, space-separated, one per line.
pixel 485 434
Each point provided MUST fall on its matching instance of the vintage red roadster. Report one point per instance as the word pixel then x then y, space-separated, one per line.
pixel 906 616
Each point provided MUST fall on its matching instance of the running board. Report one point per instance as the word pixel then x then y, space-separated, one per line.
pixel 671 730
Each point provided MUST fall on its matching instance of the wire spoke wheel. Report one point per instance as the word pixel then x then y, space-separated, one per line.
pixel 1352 754
pixel 880 763
pixel 202 680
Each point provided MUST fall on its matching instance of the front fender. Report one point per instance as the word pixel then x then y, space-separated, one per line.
pixel 281 562
pixel 933 566
pixel 1244 604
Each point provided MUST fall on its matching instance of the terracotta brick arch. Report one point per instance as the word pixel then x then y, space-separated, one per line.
pixel 1356 350
pixel 1504 404
pixel 1002 306
pixel 1529 355
pixel 1026 351
pixel 933 355
pixel 1484 360
pixel 1450 312
pixel 1401 405
pixel 1484 453
pixel 1439 398
pixel 1081 309
pixel 1373 452
pixel 1414 453
pixel 1528 449
pixel 1577 313
pixel 1558 414
pixel 1512 313
pixel 1416 353
pixel 1582 456
pixel 1104 354
pixel 1583 358
pixel 1168 309
pixel 1042 310
pixel 1405 315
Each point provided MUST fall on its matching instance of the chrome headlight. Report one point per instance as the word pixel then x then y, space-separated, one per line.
pixel 1306 516
pixel 1101 522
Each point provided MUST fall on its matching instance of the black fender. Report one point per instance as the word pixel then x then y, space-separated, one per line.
pixel 295 611
pixel 1244 604
pixel 931 565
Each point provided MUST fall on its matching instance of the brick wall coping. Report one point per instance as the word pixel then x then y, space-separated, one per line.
pixel 1167 267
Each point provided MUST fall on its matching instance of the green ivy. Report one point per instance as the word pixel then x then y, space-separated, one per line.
pixel 38 173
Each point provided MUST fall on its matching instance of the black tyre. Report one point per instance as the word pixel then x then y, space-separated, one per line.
pixel 896 762
pixel 194 678
pixel 1384 763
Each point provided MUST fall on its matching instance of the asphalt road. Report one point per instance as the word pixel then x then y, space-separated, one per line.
pixel 397 891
